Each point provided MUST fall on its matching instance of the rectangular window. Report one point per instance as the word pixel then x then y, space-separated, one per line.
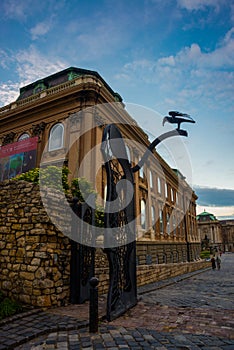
pixel 161 221
pixel 172 195
pixel 166 190
pixel 159 185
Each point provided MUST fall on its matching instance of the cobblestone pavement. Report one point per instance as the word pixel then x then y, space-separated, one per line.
pixel 193 311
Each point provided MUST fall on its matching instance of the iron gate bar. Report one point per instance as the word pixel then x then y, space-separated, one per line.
pixel 82 256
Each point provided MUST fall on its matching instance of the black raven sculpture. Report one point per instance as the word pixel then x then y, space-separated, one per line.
pixel 178 118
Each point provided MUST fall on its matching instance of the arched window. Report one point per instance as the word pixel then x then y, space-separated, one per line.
pixel 24 136
pixel 143 214
pixel 56 137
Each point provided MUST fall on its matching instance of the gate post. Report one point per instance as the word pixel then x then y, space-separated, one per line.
pixel 93 305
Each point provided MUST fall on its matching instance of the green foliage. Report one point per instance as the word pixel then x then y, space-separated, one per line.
pixel 205 254
pixel 55 177
pixel 99 217
pixel 49 176
pixel 81 189
pixel 30 176
pixel 8 307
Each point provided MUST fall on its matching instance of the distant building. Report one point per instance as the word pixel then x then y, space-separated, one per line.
pixel 214 233
pixel 44 120
pixel 209 229
pixel 227 227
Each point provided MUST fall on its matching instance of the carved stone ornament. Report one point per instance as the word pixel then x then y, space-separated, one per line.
pixel 75 118
pixel 9 138
pixel 99 121
pixel 37 129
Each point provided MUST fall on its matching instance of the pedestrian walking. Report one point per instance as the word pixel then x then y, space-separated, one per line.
pixel 213 263
pixel 218 260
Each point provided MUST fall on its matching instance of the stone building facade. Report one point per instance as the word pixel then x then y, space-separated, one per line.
pixel 210 231
pixel 66 113
pixel 227 229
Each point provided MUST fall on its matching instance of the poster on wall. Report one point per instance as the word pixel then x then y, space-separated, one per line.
pixel 17 158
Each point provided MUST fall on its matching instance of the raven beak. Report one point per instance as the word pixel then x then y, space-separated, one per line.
pixel 164 120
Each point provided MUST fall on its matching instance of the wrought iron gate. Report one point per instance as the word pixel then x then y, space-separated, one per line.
pixel 82 256
pixel 119 238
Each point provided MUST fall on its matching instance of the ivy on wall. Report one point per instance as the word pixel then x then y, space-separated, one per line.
pixel 51 176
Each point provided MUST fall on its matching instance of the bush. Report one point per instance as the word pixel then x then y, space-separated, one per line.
pixel 49 176
pixel 205 254
pixel 8 307
pixel 81 189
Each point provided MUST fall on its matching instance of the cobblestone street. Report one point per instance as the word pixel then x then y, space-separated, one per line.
pixel 193 311
pixel 212 289
pixel 202 304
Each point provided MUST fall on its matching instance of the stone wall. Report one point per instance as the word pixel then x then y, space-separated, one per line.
pixel 35 255
pixel 150 252
pixel 152 273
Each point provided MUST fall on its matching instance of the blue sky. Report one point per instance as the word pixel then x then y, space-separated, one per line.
pixel 164 55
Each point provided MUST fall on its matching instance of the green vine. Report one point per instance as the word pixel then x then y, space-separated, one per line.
pixel 57 178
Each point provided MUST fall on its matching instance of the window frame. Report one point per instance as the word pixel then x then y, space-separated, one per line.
pixel 23 137
pixel 143 214
pixel 52 131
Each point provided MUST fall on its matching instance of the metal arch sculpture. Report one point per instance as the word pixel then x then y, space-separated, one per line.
pixel 119 239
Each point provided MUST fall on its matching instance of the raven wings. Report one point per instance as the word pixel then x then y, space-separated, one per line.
pixel 178 118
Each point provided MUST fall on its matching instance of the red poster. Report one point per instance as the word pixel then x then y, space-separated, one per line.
pixel 26 145
pixel 17 158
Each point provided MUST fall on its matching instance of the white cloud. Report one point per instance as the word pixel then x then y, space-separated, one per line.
pixel 30 65
pixel 8 92
pixel 40 29
pixel 190 74
pixel 16 9
pixel 219 212
pixel 106 39
pixel 5 59
pixel 199 4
